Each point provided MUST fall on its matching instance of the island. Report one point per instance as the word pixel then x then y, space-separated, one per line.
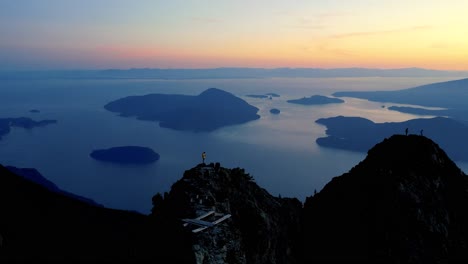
pixel 208 111
pixel 360 134
pixel 421 111
pixel 316 100
pixel 451 96
pixel 263 96
pixel 24 122
pixel 273 94
pixel 126 155
pixel 35 111
pixel 275 111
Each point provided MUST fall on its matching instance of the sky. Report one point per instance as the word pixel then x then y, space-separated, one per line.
pixel 102 34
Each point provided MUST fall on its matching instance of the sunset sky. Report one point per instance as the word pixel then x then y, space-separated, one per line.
pixel 98 34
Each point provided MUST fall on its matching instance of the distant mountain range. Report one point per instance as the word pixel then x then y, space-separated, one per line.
pixel 228 73
pixel 451 95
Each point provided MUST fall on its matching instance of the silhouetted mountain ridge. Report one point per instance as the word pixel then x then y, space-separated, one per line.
pixel 405 203
pixel 40 225
pixel 262 229
pixel 34 176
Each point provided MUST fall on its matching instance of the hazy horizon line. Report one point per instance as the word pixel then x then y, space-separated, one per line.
pixel 232 67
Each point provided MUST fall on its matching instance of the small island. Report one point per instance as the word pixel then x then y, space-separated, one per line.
pixel 24 122
pixel 421 111
pixel 263 96
pixel 316 100
pixel 208 111
pixel 35 111
pixel 275 111
pixel 126 155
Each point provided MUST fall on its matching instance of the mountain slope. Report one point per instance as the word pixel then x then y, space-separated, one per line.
pixel 261 229
pixel 37 224
pixel 451 96
pixel 36 177
pixel 405 203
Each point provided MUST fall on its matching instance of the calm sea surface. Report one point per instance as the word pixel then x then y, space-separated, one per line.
pixel 278 150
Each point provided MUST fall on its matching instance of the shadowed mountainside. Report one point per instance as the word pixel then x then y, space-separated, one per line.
pixel 38 225
pixel 262 229
pixel 34 176
pixel 210 110
pixel 405 203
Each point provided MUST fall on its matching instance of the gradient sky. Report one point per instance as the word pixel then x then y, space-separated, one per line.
pixel 96 34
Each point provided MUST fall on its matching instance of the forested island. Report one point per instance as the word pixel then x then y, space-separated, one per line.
pixel 208 111
pixel 316 100
pixel 126 155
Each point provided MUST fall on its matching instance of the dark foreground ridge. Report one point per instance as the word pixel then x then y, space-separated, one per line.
pixel 405 203
pixel 38 225
pixel 35 176
pixel 261 229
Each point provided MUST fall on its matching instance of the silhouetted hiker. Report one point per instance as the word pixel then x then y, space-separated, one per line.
pixel 203 156
pixel 406 131
pixel 421 132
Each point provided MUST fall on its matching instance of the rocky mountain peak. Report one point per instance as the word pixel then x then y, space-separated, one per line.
pixel 408 151
pixel 405 202
pixel 257 227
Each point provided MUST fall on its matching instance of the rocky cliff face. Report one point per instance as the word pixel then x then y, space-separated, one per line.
pixel 261 229
pixel 405 203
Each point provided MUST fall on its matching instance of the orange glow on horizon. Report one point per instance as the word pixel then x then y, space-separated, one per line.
pixel 196 34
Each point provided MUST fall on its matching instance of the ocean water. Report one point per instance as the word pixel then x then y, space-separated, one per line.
pixel 279 151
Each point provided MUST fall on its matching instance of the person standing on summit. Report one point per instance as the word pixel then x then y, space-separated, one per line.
pixel 203 156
